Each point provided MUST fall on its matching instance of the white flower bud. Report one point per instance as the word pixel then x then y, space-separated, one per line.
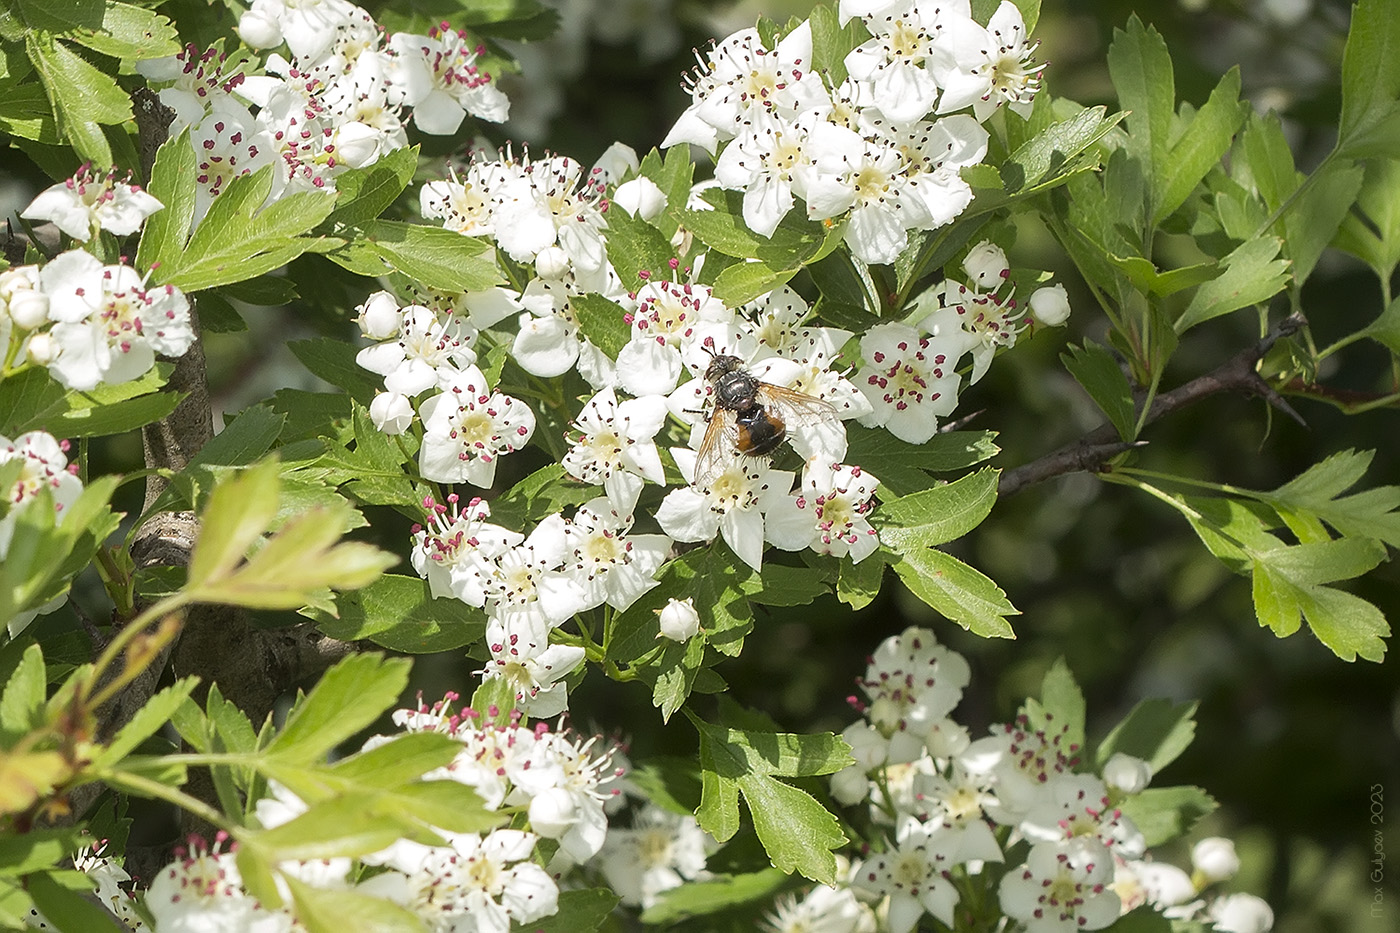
pixel 1127 774
pixel 850 786
pixel 356 144
pixel 1050 305
pixel 553 812
pixel 640 197
pixel 1165 884
pixel 29 309
pixel 986 265
pixel 1242 913
pixel 679 620
pixel 258 30
pixel 41 349
pixel 379 316
pixel 616 162
pixel 1215 858
pixel 551 263
pixel 391 412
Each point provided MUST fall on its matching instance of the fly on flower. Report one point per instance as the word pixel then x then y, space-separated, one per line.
pixel 750 417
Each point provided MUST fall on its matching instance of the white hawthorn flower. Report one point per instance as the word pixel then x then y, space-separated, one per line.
pixel 894 62
pixel 550 202
pixel 203 890
pixel 828 514
pixel 909 381
pixel 467 426
pixel 474 885
pixel 824 909
pixel 661 851
pixel 1023 758
pixel 986 68
pixel 1075 805
pixel 616 448
pixel 88 202
pixel 428 349
pixel 457 550
pixel 913 873
pixel 912 684
pixel 1062 886
pixel 670 318
pixel 440 80
pixel 613 567
pixel 732 504
pixel 966 320
pixel 110 326
pixel 532 668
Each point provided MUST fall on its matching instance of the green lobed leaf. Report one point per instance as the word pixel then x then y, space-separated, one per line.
pixel 1166 813
pixel 241 239
pixel 323 910
pixel 1376 238
pixel 22 703
pixel 402 759
pixel 154 714
pixel 793 243
pixel 399 613
pixel 39 848
pixel 1313 220
pixel 362 194
pixel 116 418
pixel 351 695
pixel 676 671
pixel 1317 491
pixel 635 245
pixel 1370 72
pixel 797 832
pixel 1141 69
pixel 938 515
pixel 1252 275
pixel 433 257
pixel 129 33
pixel 745 281
pixel 1155 730
pixel 238 512
pixel 962 594
pixel 1060 708
pixel 904 468
pixel 172 183
pixel 334 361
pixel 1098 372
pixel 83 97
pixel 580 911
pixel 25 112
pixel 602 321
pixel 723 892
pixel 1050 154
pixel 1200 147
pixel 857 584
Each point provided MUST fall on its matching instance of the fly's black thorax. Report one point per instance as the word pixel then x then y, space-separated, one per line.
pixel 737 391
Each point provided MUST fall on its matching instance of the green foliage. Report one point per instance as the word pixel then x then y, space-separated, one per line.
pixel 797 832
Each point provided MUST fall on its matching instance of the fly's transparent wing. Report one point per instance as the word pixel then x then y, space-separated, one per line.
pixel 718 448
pixel 814 426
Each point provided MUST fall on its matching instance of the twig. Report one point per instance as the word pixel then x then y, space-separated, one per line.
pixel 1093 450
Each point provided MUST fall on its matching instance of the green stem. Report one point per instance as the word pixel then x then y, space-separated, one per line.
pixel 148 787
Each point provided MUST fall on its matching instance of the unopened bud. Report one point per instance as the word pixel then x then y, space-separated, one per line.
pixel 986 265
pixel 391 412
pixel 1215 858
pixel 379 316
pixel 679 620
pixel 1050 305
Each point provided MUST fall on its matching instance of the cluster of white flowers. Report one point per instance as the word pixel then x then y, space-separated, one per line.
pixel 473 883
pixel 547 217
pixel 90 323
pixel 862 152
pixel 947 799
pixel 340 101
